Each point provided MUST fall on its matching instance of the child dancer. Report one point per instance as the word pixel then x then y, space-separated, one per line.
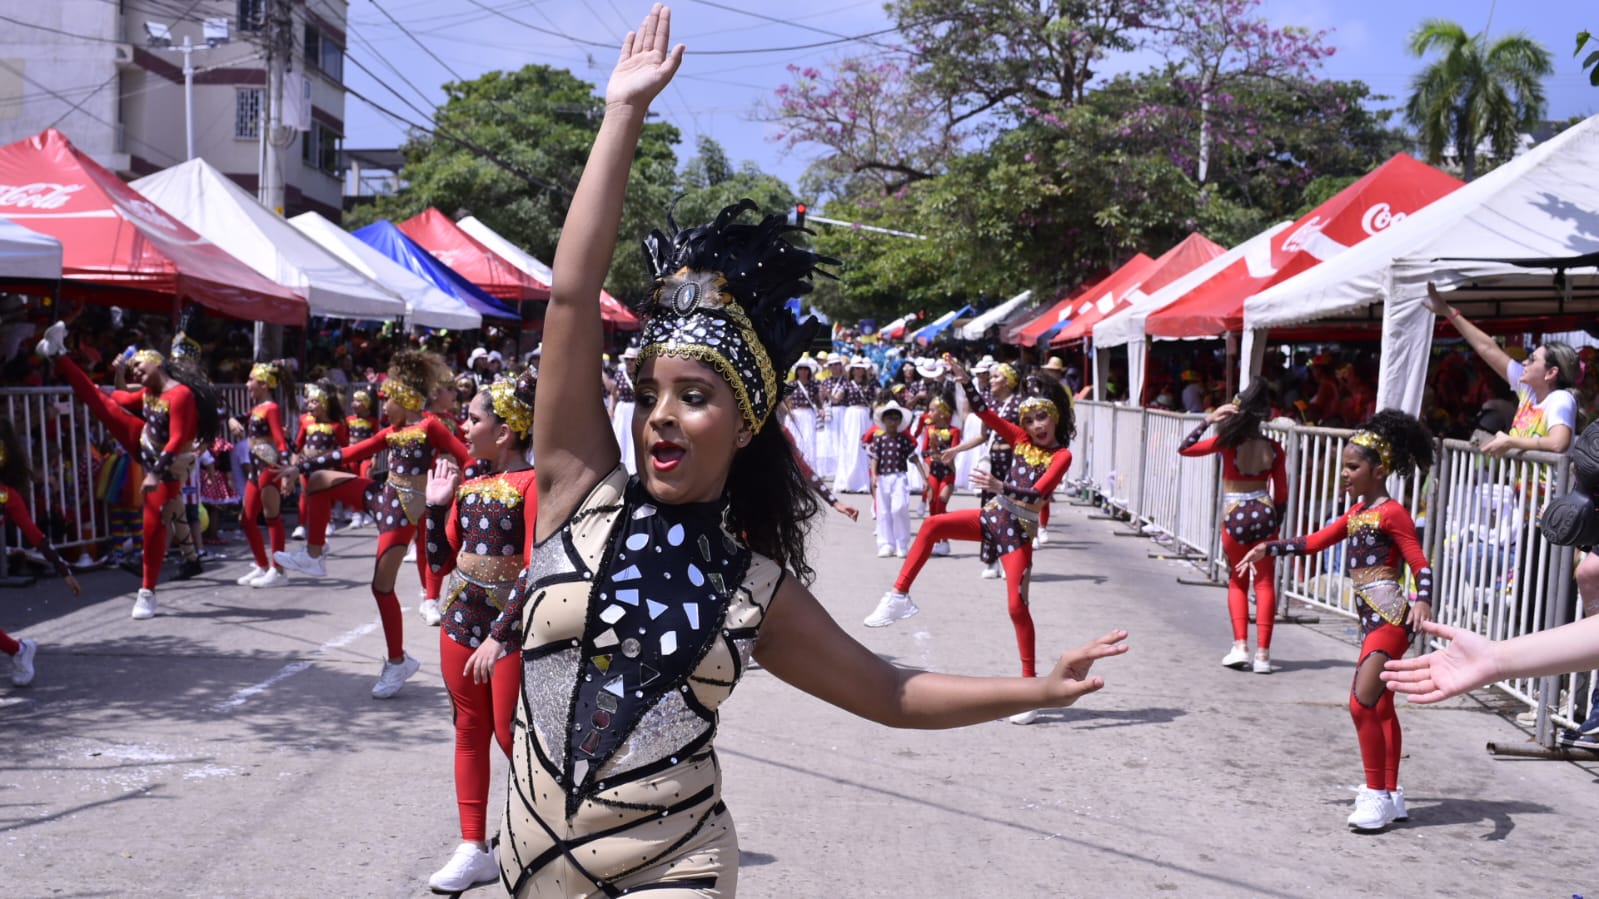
pixel 1005 524
pixel 890 453
pixel 359 425
pixel 443 407
pixel 322 430
pixel 939 435
pixel 481 534
pixel 269 449
pixel 1254 487
pixel 413 441
pixel 178 408
pixel 15 473
pixel 1381 537
pixel 1004 400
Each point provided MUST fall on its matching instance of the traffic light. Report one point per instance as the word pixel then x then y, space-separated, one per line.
pixel 799 215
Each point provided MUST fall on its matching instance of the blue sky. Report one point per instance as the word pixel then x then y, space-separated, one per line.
pixel 716 93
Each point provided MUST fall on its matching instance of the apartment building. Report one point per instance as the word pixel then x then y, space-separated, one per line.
pixel 110 75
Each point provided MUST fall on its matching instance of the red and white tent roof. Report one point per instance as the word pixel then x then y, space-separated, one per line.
pixel 498 277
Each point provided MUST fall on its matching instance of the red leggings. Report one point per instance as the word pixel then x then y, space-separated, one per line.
pixel 8 645
pixel 483 714
pixel 967 525
pixel 936 504
pixel 1377 724
pixel 252 510
pixel 1238 593
pixel 352 493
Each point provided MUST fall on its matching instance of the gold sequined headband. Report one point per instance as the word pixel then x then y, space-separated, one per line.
pixel 266 374
pixel 1376 443
pixel 693 318
pixel 1035 404
pixel 939 403
pixel 517 415
pixel 315 392
pixel 149 357
pixel 1008 372
pixel 409 399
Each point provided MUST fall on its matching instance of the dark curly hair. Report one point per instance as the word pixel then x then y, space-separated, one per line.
pixel 417 370
pixel 332 399
pixel 1253 405
pixel 770 502
pixel 1045 387
pixel 208 422
pixel 1408 438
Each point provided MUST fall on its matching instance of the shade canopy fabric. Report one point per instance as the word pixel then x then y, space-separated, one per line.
pixel 387 239
pixel 1385 196
pixel 1114 293
pixel 1127 327
pixel 436 233
pixel 228 216
pixel 112 236
pixel 1543 203
pixel 27 255
pixel 977 327
pixel 425 304
pixel 1078 317
pixel 938 325
pixel 612 311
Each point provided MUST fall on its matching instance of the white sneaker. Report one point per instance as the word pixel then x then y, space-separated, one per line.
pixel 298 533
pixel 1262 663
pixel 1027 717
pixel 430 612
pixel 991 572
pixel 941 548
pixel 467 868
pixel 1236 658
pixel 144 606
pixel 410 554
pixel 250 576
pixel 1374 810
pixel 1397 795
pixel 272 577
pixel 394 676
pixel 891 608
pixel 1043 536
pixel 54 342
pixel 884 552
pixel 302 561
pixel 899 553
pixel 22 663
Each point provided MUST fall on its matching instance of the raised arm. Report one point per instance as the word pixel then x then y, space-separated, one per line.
pixel 572 437
pixel 1486 346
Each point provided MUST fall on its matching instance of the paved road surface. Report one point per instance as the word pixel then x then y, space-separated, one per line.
pixel 230 748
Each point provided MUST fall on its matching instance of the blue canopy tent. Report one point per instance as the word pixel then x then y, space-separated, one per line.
pixel 384 237
pixel 938 325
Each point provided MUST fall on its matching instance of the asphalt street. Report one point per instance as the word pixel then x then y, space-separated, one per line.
pixel 230 747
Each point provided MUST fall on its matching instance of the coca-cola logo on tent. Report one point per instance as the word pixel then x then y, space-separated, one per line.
pixel 38 195
pixel 1303 234
pixel 148 213
pixel 1380 217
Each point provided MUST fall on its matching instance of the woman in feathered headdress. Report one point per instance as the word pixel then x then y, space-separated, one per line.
pixel 647 596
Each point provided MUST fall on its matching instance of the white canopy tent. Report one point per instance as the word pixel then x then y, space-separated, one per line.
pixel 506 250
pixel 425 304
pixel 27 255
pixel 1127 327
pixel 224 213
pixel 974 329
pixel 1542 204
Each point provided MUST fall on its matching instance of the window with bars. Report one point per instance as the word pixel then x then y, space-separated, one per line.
pixel 319 148
pixel 322 54
pixel 252 15
pixel 247 113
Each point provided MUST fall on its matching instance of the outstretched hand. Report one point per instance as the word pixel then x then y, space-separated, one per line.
pixel 1465 664
pixel 645 64
pixel 1069 680
pixel 443 481
pixel 1435 301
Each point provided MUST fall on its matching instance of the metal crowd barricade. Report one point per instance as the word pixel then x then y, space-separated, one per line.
pixel 1101 444
pixel 1128 458
pixel 59 433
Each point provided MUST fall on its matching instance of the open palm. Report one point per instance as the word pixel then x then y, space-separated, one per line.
pixel 1464 664
pixel 645 64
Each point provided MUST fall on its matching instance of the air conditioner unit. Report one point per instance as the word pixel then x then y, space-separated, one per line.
pixel 123 54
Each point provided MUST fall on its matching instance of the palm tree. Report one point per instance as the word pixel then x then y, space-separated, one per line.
pixel 1475 91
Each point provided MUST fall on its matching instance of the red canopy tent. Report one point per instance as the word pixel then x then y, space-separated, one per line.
pixel 112 237
pixel 1386 195
pixel 475 262
pixel 1190 253
pixel 1086 302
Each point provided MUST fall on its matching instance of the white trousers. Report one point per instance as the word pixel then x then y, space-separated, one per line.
pixel 894 513
pixel 854 474
pixel 802 425
pixel 622 427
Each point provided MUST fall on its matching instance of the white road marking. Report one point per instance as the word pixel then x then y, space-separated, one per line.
pixel 293 668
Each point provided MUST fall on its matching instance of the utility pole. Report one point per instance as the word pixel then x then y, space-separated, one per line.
pixel 279 40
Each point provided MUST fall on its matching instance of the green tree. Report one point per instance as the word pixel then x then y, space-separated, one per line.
pixel 509 147
pixel 1591 62
pixel 710 183
pixel 1475 91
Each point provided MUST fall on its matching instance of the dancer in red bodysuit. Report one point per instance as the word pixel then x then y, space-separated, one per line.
pixel 480 534
pixel 1254 487
pixel 1379 538
pixel 1039 459
pixel 269 449
pixel 177 407
pixel 938 436
pixel 15 471
pixel 360 424
pixel 322 430
pixel 441 407
pixel 413 440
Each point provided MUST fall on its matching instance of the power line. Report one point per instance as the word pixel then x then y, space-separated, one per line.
pixel 417 41
pixel 789 22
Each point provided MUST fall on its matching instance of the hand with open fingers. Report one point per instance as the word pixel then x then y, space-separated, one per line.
pixel 956 370
pixel 1465 664
pixel 647 62
pixel 1435 301
pixel 1069 680
pixel 444 480
pixel 480 667
pixel 1498 445
pixel 947 456
pixel 1255 554
pixel 1222 413
pixel 1420 613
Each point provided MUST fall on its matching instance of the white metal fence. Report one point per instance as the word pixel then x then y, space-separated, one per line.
pixel 1494 573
